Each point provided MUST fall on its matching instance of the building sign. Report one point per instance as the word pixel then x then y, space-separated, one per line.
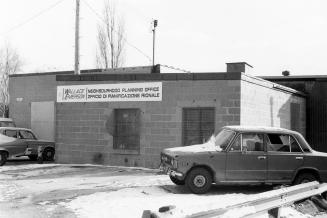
pixel 110 92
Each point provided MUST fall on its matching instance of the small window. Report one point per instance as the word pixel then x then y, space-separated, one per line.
pixel 24 134
pixel 236 146
pixel 282 143
pixel 11 133
pixel 294 145
pixel 127 134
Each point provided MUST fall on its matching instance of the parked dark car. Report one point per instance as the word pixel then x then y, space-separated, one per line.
pixel 16 142
pixel 245 155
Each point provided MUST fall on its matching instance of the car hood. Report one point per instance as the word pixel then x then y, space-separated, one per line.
pixel 200 148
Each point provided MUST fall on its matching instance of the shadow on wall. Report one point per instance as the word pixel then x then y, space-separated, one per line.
pixel 289 115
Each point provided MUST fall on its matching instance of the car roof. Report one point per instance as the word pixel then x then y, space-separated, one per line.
pixel 14 128
pixel 262 129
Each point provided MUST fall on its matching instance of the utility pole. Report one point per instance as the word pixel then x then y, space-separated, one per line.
pixel 77 70
pixel 155 24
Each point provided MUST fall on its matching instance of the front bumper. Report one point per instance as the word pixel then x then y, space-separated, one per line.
pixel 169 171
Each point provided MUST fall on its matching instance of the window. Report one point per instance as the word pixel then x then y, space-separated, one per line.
pixel 282 143
pixel 248 142
pixel 198 125
pixel 127 126
pixel 223 138
pixel 23 134
pixel 11 133
pixel 294 145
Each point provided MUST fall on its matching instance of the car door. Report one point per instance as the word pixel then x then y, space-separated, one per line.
pixel 16 147
pixel 284 155
pixel 30 140
pixel 246 159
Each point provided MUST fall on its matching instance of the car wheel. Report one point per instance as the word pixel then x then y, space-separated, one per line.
pixel 32 157
pixel 3 158
pixel 199 180
pixel 304 178
pixel 177 181
pixel 48 154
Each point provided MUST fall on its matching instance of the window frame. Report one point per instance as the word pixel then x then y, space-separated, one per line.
pixel 241 138
pixel 289 141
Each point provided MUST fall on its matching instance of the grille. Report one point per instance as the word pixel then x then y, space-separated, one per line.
pixel 166 159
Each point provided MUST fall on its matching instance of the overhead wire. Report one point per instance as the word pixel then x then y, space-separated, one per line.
pixel 175 68
pixel 125 40
pixel 32 17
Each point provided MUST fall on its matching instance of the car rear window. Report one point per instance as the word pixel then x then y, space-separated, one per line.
pixel 24 134
pixel 282 143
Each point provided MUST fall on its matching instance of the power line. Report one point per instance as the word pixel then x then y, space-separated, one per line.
pixel 33 17
pixel 175 68
pixel 99 16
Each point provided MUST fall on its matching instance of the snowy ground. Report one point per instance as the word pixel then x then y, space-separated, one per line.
pixel 55 190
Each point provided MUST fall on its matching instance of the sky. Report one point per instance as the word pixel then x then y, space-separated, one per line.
pixel 198 36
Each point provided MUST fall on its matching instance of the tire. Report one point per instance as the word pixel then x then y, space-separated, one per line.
pixel 32 157
pixel 48 154
pixel 176 181
pixel 199 180
pixel 3 158
pixel 304 178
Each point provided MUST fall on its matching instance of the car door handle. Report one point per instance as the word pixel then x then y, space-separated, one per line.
pixel 298 158
pixel 261 157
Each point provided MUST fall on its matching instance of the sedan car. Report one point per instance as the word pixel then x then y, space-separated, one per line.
pixel 16 142
pixel 245 155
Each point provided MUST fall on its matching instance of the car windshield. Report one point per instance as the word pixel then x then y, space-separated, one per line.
pixel 223 138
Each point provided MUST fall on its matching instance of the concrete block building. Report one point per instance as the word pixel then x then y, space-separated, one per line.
pixel 127 118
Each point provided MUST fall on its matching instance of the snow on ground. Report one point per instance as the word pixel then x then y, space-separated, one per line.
pixel 87 191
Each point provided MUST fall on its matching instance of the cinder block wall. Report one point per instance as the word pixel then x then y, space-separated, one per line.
pixel 24 89
pixel 264 104
pixel 85 130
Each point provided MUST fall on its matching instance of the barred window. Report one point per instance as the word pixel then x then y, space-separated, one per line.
pixel 127 129
pixel 198 125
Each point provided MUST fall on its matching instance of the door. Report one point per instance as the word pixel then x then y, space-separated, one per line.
pixel 284 157
pixel 246 159
pixel 16 147
pixel 43 119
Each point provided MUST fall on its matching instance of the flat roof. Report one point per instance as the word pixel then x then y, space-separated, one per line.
pixel 296 78
pixel 150 77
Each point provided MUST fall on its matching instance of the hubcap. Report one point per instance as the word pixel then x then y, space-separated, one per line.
pixel 199 181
